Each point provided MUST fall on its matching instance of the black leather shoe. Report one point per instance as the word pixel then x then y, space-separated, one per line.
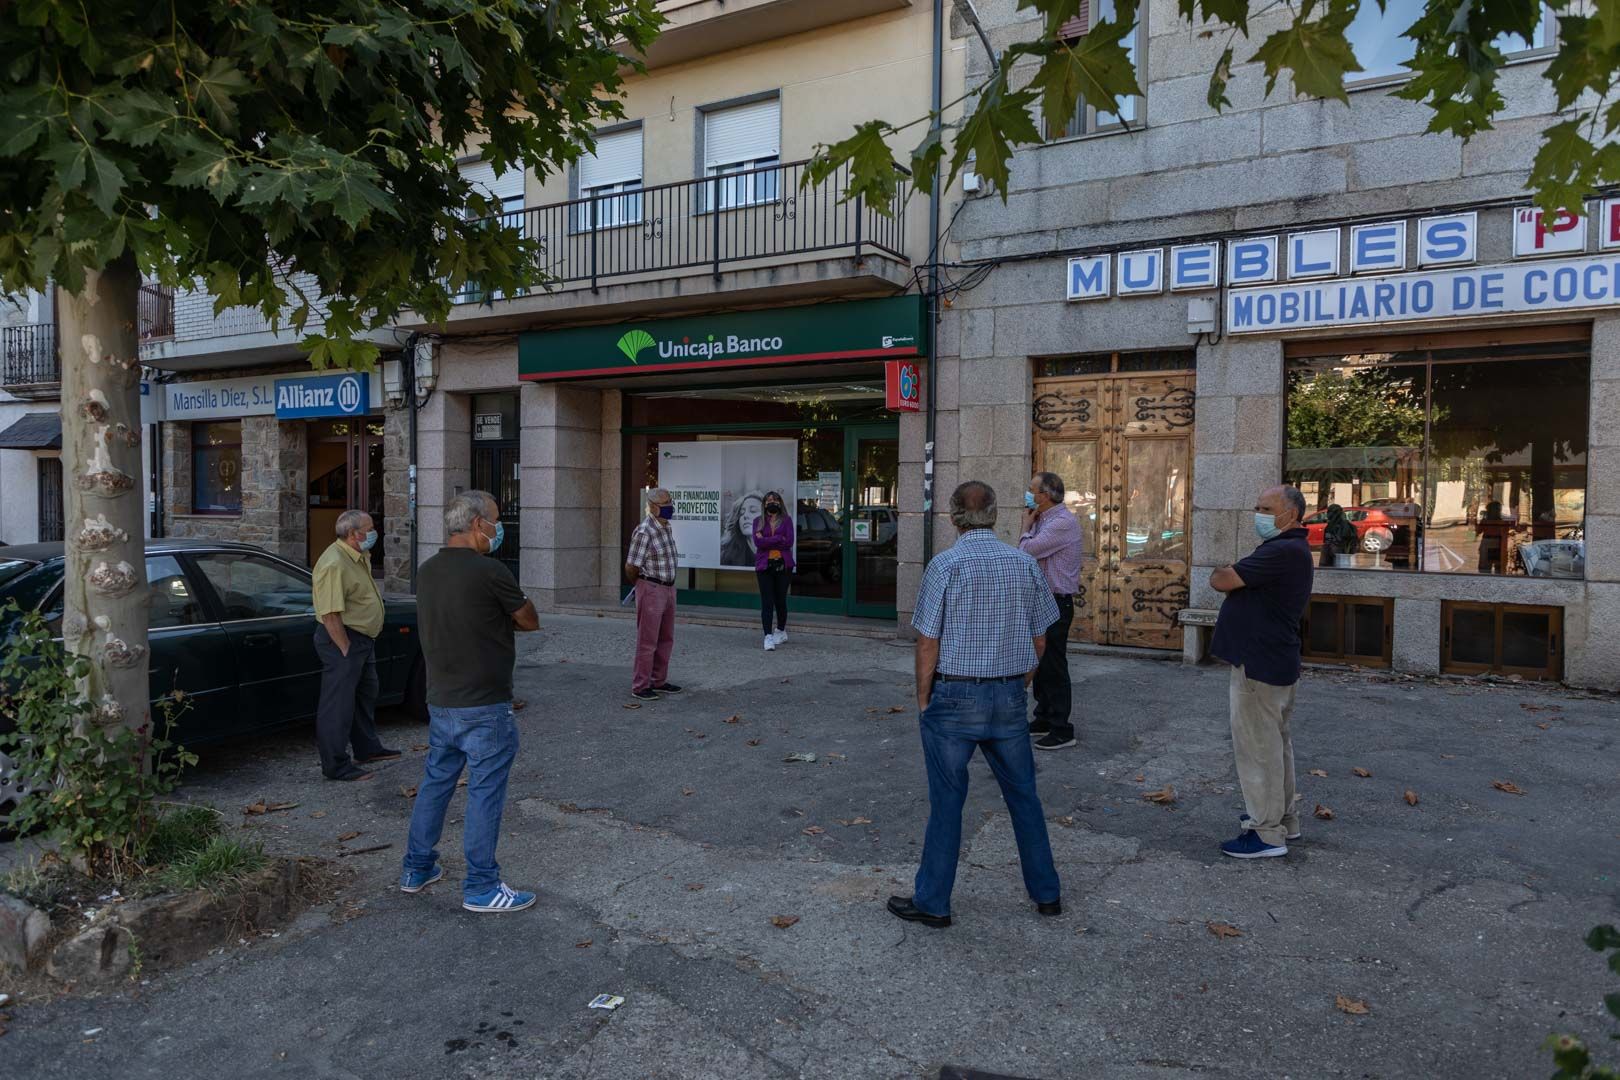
pixel 1054 908
pixel 385 754
pixel 901 907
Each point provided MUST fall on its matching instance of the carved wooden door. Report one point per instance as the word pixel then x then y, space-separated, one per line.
pixel 1123 446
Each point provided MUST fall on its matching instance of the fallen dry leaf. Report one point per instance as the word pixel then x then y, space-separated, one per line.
pixel 688 791
pixel 1067 821
pixel 255 808
pixel 462 782
pixel 1508 786
pixel 813 830
pixel 1543 725
pixel 584 944
pixel 318 814
pixel 1353 1006
pixel 632 704
pixel 1164 796
pixel 1411 797
pixel 275 806
pixel 753 742
pixel 782 922
pixel 1140 778
pixel 857 821
pixel 1223 930
pixel 1323 812
pixel 694 886
pixel 1319 772
pixel 346 837
pixel 733 719
pixel 1359 771
pixel 408 792
pixel 897 708
pixel 1447 757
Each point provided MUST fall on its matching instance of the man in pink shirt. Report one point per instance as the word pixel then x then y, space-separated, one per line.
pixel 1053 538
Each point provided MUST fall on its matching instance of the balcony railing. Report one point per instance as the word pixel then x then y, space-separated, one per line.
pixel 30 364
pixel 28 355
pixel 742 216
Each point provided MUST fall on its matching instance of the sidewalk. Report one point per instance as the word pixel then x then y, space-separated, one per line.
pixel 663 841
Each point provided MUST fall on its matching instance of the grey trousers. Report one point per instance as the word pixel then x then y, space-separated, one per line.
pixel 348 707
pixel 1264 748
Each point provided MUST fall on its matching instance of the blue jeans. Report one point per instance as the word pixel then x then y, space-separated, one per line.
pixel 993 717
pixel 484 738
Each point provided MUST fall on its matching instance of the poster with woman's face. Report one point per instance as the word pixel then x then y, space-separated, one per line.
pixel 716 533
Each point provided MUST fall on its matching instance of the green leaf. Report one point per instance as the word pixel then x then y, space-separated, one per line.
pixel 139 117
pixel 211 168
pixel 352 193
pixel 1097 70
pixel 1219 79
pixel 1315 51
pixel 81 164
pixel 872 175
pixel 215 91
pixel 999 120
pixel 265 185
pixel 30 114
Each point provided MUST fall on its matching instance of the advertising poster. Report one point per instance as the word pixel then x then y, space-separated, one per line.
pixel 719 490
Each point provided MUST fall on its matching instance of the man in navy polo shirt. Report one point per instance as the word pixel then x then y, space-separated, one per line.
pixel 1258 634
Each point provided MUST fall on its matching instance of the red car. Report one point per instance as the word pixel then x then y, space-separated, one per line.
pixel 1374 528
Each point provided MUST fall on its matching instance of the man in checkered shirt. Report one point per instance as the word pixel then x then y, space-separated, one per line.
pixel 981 622
pixel 651 565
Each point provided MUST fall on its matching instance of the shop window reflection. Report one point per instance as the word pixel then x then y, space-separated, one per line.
pixel 1462 461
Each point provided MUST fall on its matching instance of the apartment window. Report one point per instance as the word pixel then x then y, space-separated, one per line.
pixel 1349 630
pixel 1087 119
pixel 216 467
pixel 505 189
pixel 741 144
pixel 1453 454
pixel 610 181
pixel 1507 639
pixel 1376 36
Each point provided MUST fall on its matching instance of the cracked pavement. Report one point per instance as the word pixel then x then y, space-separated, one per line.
pixel 662 841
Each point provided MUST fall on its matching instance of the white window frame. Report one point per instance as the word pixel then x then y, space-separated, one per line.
pixel 507 189
pixel 611 213
pixel 761 186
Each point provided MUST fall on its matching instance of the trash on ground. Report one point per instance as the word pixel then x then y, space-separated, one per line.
pixel 606 1001
pixel 799 755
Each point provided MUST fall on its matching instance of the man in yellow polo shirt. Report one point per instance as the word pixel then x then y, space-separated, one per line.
pixel 349 610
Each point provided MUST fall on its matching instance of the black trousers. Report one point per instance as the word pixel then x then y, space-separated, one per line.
pixel 773 592
pixel 1054 696
pixel 348 707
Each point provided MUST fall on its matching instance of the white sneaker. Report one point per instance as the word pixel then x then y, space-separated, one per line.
pixel 779 636
pixel 770 643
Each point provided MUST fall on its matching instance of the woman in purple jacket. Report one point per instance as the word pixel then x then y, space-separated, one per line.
pixel 773 564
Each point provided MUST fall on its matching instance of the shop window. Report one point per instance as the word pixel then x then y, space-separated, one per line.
pixel 1507 639
pixel 1349 630
pixel 1124 363
pixel 1087 119
pixel 1439 455
pixel 216 467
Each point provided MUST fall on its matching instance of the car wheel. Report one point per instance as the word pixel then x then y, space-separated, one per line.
pixel 1376 540
pixel 415 703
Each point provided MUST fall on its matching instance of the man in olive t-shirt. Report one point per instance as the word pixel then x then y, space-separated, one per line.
pixel 468 606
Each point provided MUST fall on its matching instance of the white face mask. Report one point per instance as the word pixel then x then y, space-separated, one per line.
pixel 1265 525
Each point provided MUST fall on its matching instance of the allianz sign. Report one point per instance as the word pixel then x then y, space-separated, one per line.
pixel 1312 292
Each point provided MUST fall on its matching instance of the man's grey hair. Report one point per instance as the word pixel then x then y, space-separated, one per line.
pixel 1296 499
pixel 656 494
pixel 472 503
pixel 1051 483
pixel 349 522
pixel 973 505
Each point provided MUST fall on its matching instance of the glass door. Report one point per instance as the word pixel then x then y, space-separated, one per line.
pixel 871 519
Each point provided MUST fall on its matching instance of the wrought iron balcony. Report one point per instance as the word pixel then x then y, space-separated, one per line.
pixel 31 364
pixel 749 215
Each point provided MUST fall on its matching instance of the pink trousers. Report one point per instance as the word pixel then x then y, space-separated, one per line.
pixel 655 634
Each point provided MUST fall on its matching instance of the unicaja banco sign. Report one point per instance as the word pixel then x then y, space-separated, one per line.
pixel 857 329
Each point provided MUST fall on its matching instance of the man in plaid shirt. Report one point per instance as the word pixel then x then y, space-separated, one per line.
pixel 651 566
pixel 981 622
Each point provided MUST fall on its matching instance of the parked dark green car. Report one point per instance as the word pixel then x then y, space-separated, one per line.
pixel 233 627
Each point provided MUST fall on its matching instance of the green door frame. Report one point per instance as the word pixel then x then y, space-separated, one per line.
pixel 854 435
pixel 854 432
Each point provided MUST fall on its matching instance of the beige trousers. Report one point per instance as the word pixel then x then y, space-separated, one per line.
pixel 1265 755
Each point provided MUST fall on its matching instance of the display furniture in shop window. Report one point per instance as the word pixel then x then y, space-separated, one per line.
pixel 1349 630
pixel 1503 639
pixel 216 467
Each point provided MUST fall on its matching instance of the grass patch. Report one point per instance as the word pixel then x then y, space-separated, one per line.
pixel 181 832
pixel 216 866
pixel 47 883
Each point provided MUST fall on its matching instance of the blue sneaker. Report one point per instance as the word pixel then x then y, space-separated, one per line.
pixel 500 898
pixel 417 880
pixel 1248 845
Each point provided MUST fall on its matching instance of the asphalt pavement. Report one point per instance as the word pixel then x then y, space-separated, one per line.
pixel 668 841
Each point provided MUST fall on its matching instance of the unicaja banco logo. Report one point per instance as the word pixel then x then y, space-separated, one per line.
pixel 632 343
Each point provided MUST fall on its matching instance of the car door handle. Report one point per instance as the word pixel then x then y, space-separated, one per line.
pixel 257 640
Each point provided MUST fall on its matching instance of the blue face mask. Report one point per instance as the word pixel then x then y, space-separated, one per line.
pixel 1029 500
pixel 370 541
pixel 667 512
pixel 1266 526
pixel 495 541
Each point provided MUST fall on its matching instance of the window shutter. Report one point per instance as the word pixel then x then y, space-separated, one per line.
pixel 617 159
pixel 742 133
pixel 481 174
pixel 1077 26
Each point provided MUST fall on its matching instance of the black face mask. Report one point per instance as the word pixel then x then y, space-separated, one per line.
pixel 773 508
